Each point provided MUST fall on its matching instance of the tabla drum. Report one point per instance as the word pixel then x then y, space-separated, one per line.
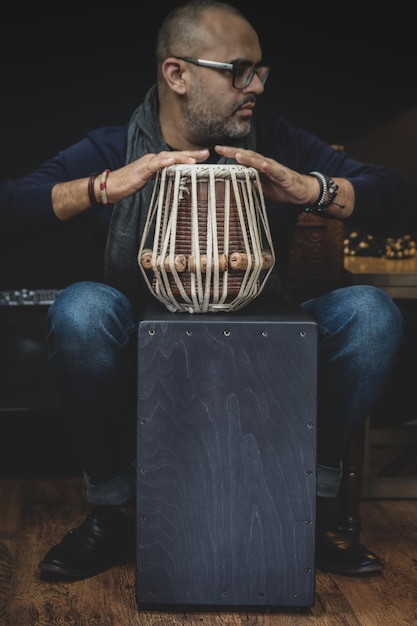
pixel 206 245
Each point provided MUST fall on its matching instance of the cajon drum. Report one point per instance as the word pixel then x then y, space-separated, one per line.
pixel 226 459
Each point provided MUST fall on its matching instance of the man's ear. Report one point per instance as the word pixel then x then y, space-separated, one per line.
pixel 174 72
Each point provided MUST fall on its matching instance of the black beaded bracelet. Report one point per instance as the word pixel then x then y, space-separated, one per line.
pixel 327 196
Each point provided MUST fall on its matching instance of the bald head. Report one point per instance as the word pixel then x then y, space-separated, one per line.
pixel 190 29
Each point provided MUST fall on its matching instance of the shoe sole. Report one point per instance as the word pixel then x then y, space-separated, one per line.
pixel 58 573
pixel 372 570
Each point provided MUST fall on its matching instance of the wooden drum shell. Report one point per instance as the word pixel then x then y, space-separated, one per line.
pixel 206 245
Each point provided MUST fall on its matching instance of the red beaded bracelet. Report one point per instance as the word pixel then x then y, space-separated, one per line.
pixel 103 188
pixel 91 193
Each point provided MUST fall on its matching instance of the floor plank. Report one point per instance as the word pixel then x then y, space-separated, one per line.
pixel 36 512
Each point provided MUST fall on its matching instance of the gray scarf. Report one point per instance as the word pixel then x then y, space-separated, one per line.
pixel 121 267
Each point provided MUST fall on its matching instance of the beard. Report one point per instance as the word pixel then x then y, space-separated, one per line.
pixel 208 123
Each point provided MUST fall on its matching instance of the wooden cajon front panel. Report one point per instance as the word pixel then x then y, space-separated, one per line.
pixel 226 457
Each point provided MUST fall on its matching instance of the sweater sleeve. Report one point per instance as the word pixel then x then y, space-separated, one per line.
pixel 385 199
pixel 26 202
pixel 385 203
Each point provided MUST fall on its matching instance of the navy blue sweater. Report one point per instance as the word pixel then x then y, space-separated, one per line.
pixel 385 200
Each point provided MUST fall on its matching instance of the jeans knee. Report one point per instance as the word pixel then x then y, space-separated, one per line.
pixel 375 330
pixel 359 322
pixel 84 310
pixel 378 311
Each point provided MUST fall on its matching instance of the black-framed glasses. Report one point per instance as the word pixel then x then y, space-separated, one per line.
pixel 242 71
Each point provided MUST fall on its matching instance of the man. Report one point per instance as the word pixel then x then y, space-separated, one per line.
pixel 202 109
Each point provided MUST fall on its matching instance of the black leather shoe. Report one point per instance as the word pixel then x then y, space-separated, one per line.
pixel 339 554
pixel 105 538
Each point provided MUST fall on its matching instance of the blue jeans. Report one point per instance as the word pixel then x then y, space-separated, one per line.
pixel 92 338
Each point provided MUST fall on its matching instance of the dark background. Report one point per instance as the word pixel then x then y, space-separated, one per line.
pixel 346 74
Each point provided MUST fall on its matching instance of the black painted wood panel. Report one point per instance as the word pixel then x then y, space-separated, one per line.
pixel 226 460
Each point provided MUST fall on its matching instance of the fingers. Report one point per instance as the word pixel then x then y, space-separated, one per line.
pixel 178 156
pixel 155 162
pixel 279 183
pixel 244 157
pixel 135 175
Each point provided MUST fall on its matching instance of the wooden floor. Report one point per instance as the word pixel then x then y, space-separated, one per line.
pixel 36 512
